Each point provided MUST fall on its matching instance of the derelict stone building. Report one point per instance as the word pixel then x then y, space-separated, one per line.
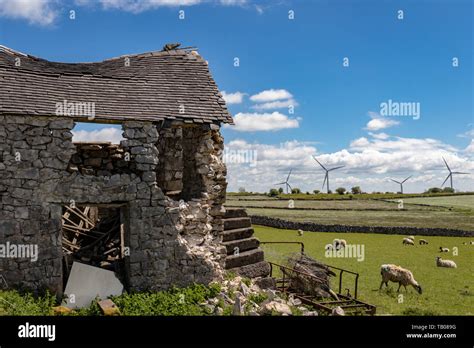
pixel 165 183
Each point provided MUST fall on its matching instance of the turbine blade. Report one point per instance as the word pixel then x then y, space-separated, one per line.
pixel 289 174
pixel 460 173
pixel 324 182
pixel 407 179
pixel 446 164
pixel 398 182
pixel 446 179
pixel 335 168
pixel 319 163
pixel 290 186
pixel 280 183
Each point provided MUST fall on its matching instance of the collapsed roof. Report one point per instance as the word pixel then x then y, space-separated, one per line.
pixel 153 86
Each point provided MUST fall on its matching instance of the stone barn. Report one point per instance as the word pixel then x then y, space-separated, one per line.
pixel 149 208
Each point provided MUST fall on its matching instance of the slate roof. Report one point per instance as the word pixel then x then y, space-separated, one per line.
pixel 155 86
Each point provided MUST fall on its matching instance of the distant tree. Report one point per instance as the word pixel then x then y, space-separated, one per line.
pixel 434 190
pixel 316 192
pixel 295 190
pixel 307 192
pixel 280 190
pixel 242 189
pixel 448 190
pixel 356 190
pixel 341 190
pixel 273 192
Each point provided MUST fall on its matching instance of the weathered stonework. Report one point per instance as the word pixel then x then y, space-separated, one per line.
pixel 172 240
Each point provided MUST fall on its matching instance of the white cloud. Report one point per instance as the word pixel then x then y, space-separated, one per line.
pixel 382 136
pixel 233 2
pixel 271 95
pixel 113 135
pixel 41 12
pixel 251 122
pixel 378 122
pixel 137 6
pixel 470 147
pixel 278 104
pixel 233 98
pixel 368 163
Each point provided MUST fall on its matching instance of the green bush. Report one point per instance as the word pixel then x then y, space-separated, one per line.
pixel 340 190
pixel 273 192
pixel 15 303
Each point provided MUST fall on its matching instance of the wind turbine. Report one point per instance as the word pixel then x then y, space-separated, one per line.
pixel 326 177
pixel 450 175
pixel 286 182
pixel 401 182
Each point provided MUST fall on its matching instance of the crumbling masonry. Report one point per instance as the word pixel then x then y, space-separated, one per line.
pixel 168 173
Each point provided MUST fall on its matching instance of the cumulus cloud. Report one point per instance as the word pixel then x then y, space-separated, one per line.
pixel 368 163
pixel 278 104
pixel 378 122
pixel 381 136
pixel 252 122
pixel 110 134
pixel 233 98
pixel 40 12
pixel 137 6
pixel 271 95
pixel 470 147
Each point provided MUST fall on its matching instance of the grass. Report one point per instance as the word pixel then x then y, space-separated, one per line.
pixel 460 202
pixel 404 218
pixel 445 291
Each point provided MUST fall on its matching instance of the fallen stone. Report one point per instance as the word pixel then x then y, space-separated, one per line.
pixel 109 308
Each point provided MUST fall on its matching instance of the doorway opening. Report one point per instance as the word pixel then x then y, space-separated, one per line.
pixel 95 235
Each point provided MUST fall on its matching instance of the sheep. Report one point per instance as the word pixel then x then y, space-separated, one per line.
pixel 445 263
pixel 408 241
pixel 398 275
pixel 342 243
pixel 411 237
pixel 443 250
pixel 468 243
pixel 423 241
pixel 329 247
pixel 300 233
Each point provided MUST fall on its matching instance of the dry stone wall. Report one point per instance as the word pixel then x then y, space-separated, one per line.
pixel 171 242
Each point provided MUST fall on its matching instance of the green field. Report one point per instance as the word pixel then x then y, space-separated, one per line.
pixel 460 202
pixel 444 211
pixel 445 291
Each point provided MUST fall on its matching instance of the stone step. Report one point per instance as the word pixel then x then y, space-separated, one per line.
pixel 255 270
pixel 243 259
pixel 238 233
pixel 238 222
pixel 234 212
pixel 243 245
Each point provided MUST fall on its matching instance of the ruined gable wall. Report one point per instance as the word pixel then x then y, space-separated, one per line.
pixel 171 242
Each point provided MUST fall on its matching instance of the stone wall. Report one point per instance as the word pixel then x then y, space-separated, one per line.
pixel 311 226
pixel 171 242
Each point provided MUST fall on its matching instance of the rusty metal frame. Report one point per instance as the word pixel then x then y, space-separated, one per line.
pixel 346 302
pixel 300 243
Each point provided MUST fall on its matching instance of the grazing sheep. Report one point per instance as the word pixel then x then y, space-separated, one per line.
pixel 300 233
pixel 398 275
pixel 408 241
pixel 445 263
pixel 338 243
pixel 423 241
pixel 343 243
pixel 468 243
pixel 411 237
pixel 443 250
pixel 328 247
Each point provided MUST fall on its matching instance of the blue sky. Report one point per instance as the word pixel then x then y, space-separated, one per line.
pixel 298 62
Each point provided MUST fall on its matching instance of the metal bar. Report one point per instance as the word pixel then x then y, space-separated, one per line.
pixel 340 281
pixel 356 285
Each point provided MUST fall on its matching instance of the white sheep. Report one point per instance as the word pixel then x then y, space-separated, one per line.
pixel 408 241
pixel 300 233
pixel 423 241
pixel 411 237
pixel 443 250
pixel 445 263
pixel 339 243
pixel 343 243
pixel 398 275
pixel 329 247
